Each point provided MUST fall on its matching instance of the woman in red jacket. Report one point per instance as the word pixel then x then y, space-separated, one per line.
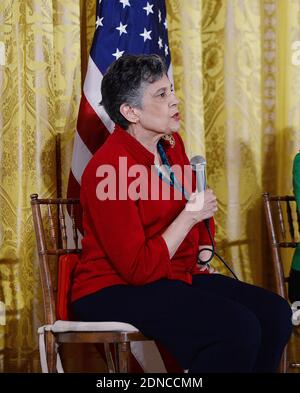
pixel 143 230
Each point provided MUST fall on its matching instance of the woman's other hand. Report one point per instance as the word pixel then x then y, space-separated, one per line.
pixel 201 206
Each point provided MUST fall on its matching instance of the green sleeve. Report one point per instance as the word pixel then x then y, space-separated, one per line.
pixel 296 179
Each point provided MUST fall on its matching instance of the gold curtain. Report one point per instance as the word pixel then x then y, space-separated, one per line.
pixel 40 87
pixel 238 94
pixel 239 101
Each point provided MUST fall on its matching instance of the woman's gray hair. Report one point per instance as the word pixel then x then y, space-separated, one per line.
pixel 125 81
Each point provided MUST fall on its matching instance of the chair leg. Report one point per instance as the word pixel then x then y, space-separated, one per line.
pixel 123 357
pixel 283 365
pixel 116 357
pixel 51 352
pixel 109 359
pixel 105 352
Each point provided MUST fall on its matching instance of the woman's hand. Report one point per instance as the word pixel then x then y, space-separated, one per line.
pixel 205 253
pixel 201 205
pixel 208 267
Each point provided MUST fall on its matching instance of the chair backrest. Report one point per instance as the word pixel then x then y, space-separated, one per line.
pixel 55 224
pixel 283 226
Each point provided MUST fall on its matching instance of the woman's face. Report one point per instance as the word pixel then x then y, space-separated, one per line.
pixel 159 111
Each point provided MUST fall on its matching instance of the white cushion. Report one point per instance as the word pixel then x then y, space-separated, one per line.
pixel 75 326
pixel 146 352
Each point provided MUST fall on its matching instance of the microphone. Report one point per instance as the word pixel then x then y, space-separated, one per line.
pixel 198 165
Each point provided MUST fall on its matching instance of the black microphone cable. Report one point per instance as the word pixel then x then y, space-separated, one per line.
pixel 198 164
pixel 213 252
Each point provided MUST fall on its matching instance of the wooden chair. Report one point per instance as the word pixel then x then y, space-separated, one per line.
pixel 49 217
pixel 283 226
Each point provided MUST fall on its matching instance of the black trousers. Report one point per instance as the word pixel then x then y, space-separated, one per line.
pixel 217 324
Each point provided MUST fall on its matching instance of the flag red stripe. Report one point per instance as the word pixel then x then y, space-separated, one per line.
pixel 73 187
pixel 90 127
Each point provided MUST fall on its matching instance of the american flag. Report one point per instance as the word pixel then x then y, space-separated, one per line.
pixel 122 26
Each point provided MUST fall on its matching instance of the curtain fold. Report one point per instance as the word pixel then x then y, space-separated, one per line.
pixel 40 91
pixel 184 23
pixel 239 104
pixel 223 49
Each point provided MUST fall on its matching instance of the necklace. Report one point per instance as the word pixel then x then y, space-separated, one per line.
pixel 171 179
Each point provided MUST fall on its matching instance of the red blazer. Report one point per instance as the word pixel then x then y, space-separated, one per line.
pixel 122 241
